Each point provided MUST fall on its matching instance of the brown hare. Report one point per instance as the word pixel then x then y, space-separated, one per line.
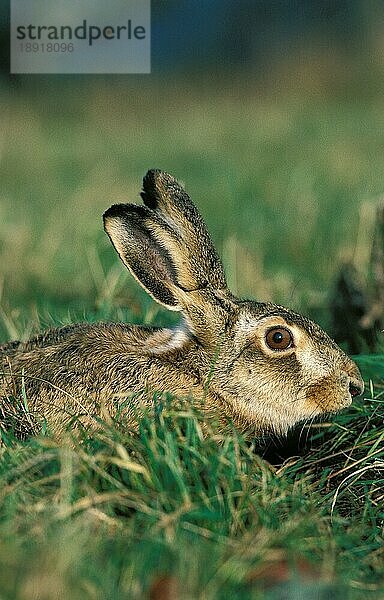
pixel 259 365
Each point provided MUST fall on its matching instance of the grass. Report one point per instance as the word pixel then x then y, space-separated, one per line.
pixel 111 515
pixel 280 179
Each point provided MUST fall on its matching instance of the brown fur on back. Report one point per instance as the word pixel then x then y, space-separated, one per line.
pixel 93 369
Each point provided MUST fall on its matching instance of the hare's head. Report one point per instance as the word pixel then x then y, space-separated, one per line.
pixel 268 366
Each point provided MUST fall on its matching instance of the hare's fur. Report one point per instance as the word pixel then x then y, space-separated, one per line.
pixel 219 355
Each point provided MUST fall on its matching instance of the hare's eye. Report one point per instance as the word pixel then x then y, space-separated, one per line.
pixel 279 338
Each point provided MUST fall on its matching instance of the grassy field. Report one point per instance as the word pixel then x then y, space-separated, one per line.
pixel 168 513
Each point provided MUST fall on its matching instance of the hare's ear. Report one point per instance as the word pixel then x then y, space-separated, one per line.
pixel 198 264
pixel 166 246
pixel 132 230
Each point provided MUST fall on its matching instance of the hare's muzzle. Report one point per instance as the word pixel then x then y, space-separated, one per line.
pixel 336 391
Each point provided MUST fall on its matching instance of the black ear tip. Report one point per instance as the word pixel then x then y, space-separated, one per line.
pixel 151 175
pixel 150 193
pixel 120 212
pixel 151 179
pixel 156 183
pixel 113 211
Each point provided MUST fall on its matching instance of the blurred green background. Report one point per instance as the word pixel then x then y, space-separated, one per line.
pixel 272 116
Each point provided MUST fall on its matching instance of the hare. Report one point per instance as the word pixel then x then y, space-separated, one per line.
pixel 259 365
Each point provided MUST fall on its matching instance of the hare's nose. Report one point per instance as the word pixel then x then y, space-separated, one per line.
pixel 356 387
